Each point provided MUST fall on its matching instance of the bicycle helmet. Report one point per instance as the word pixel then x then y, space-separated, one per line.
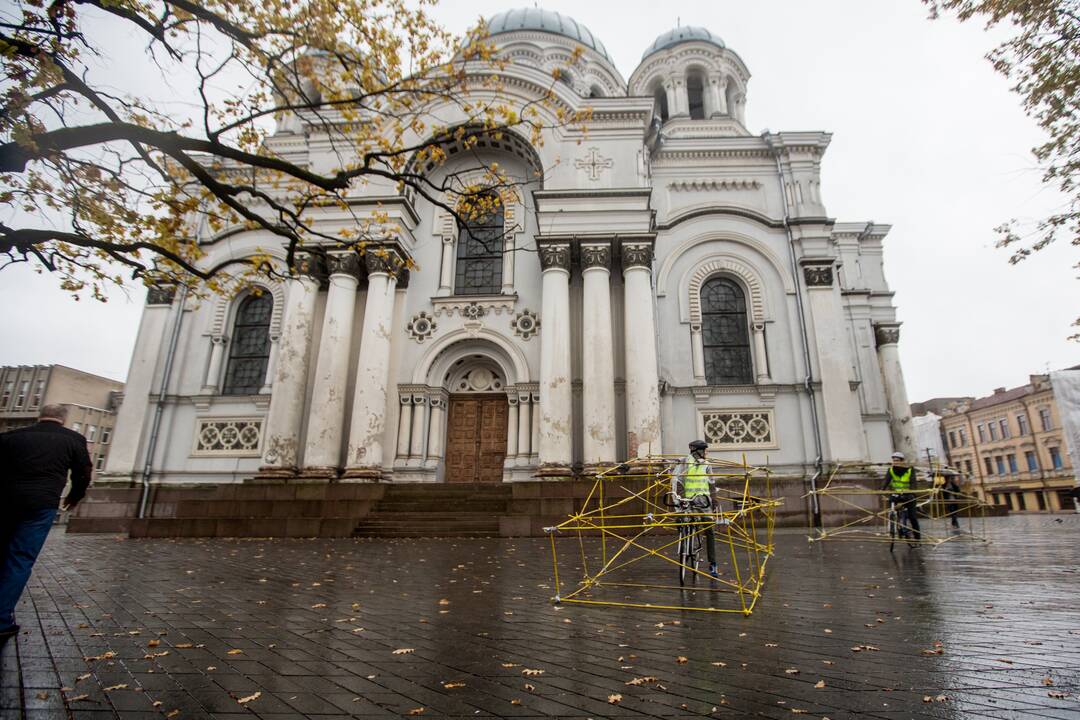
pixel 698 445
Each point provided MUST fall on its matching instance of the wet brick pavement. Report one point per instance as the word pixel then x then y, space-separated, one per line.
pixel 187 629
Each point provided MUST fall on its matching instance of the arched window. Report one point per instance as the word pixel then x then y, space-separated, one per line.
pixel 660 97
pixel 250 351
pixel 695 96
pixel 480 253
pixel 596 92
pixel 724 333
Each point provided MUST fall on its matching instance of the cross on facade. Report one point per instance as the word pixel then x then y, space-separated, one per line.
pixel 593 163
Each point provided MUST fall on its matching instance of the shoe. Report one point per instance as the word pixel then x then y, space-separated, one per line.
pixel 713 572
pixel 9 631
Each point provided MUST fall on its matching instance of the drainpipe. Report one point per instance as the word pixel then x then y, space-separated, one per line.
pixel 808 380
pixel 159 407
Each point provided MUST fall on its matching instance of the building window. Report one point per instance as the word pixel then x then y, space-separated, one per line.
pixel 982 433
pixel 1003 423
pixel 100 462
pixel 1055 457
pixel 1021 421
pixel 1013 469
pixel 963 437
pixel 1000 463
pixel 952 439
pixel 250 352
pixel 20 399
pixel 1021 503
pixel 695 96
pixel 1032 463
pixel 1044 419
pixel 724 333
pixel 989 465
pixel 660 98
pixel 105 433
pixel 9 388
pixel 967 466
pixel 91 433
pixel 993 430
pixel 77 427
pixel 39 388
pixel 480 250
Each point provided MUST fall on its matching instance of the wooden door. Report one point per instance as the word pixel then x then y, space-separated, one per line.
pixel 476 438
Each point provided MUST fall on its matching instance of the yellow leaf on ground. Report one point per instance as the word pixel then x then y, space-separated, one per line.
pixel 452 685
pixel 819 684
pixel 530 672
pixel 403 651
pixel 121 686
pixel 614 698
pixel 417 711
pixel 235 652
pixel 681 660
pixel 248 698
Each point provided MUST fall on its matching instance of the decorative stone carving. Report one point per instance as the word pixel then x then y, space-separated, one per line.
pixel 343 265
pixel 478 379
pixel 161 295
pixel 595 256
pixel 383 260
pixel 636 256
pixel 728 430
pixel 526 324
pixel 233 437
pixel 421 327
pixel 818 275
pixel 473 311
pixel 887 334
pixel 555 256
pixel 594 163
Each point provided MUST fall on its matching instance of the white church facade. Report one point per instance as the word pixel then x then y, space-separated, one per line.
pixel 673 276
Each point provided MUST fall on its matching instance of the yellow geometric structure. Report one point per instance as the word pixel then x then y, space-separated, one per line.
pixel 632 548
pixel 868 516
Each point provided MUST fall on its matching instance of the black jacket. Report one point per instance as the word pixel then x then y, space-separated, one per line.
pixel 34 464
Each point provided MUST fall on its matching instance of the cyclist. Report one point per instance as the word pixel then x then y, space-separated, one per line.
pixel 900 481
pixel 694 478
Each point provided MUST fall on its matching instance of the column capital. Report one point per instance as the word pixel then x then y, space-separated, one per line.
pixel 555 256
pixel 818 272
pixel 385 260
pixel 595 255
pixel 346 264
pixel 887 333
pixel 160 294
pixel 637 255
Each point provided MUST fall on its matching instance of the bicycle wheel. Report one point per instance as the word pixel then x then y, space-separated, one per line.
pixel 892 527
pixel 684 551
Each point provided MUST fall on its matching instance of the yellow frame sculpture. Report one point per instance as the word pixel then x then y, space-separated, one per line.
pixel 869 516
pixel 626 511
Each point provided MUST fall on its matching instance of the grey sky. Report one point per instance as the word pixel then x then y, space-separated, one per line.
pixel 925 136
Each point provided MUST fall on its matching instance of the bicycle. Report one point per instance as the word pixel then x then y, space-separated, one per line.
pixel 897 528
pixel 689 548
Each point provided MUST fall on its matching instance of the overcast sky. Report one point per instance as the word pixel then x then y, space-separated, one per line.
pixel 926 137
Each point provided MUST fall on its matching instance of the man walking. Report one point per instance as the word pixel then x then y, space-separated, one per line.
pixel 34 465
pixel 900 481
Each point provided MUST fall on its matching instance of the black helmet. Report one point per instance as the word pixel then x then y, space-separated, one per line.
pixel 698 445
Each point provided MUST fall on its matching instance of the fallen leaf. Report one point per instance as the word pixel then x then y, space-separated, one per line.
pixel 403 651
pixel 819 684
pixel 248 698
pixel 452 685
pixel 798 711
pixel 153 643
pixel 935 651
pixel 184 646
pixel 77 698
pixel 172 713
pixel 792 671
pixel 235 652
pixel 42 695
pixel 417 711
pixel 529 672
pixel 771 645
pixel 530 687
pixel 681 660
pixel 720 664
pixel 121 686
pixel 511 665
pixel 614 699
pixel 641 680
pixel 1057 694
pixel 103 656
pixel 85 676
pixel 1047 681
pixel 444 601
pixel 316 606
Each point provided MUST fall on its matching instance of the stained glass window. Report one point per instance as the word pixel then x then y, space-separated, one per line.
pixel 480 255
pixel 724 333
pixel 249 353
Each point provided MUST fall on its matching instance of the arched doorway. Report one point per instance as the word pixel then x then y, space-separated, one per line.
pixel 477 419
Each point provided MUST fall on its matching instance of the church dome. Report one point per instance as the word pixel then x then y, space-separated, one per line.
pixel 539 20
pixel 680 35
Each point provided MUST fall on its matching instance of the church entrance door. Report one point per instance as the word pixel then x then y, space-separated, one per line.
pixel 476 438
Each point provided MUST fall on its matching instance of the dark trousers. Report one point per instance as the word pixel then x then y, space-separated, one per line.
pixel 907 515
pixel 22 535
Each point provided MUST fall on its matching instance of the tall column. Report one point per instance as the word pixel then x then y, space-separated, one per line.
pixel 404 426
pixel 534 440
pixel 322 445
pixel 416 451
pixel 271 364
pixel 697 354
pixel 512 429
pixel 446 277
pixel 213 371
pixel 524 441
pixel 436 429
pixel 597 362
pixel 365 456
pixel 887 336
pixel 133 415
pixel 642 373
pixel 556 400
pixel 761 355
pixel 286 412
pixel 842 416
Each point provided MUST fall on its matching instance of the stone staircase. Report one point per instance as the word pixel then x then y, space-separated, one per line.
pixel 429 510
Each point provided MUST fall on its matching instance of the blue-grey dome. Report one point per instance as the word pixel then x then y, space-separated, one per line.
pixel 681 35
pixel 544 21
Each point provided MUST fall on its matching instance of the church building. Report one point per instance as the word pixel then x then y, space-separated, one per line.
pixel 667 275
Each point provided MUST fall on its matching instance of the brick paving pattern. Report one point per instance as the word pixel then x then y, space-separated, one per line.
pixel 309 628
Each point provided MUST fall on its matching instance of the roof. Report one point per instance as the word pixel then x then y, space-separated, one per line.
pixel 680 35
pixel 549 21
pixel 1002 397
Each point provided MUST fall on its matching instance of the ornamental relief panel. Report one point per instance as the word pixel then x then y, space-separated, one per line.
pixel 228 437
pixel 738 429
pixel 421 327
pixel 818 275
pixel 526 324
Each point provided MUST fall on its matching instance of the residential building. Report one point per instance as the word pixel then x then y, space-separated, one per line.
pixel 1012 446
pixel 91 401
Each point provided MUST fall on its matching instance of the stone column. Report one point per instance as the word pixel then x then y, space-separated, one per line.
pixel 556 399
pixel 524 442
pixel 416 451
pixel 322 446
pixel 512 429
pixel 887 336
pixel 404 426
pixel 642 373
pixel 534 427
pixel 271 364
pixel 761 355
pixel 842 417
pixel 289 387
pixel 446 270
pixel 597 362
pixel 217 358
pixel 365 456
pixel 718 90
pixel 697 354
pixel 436 429
pixel 133 415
